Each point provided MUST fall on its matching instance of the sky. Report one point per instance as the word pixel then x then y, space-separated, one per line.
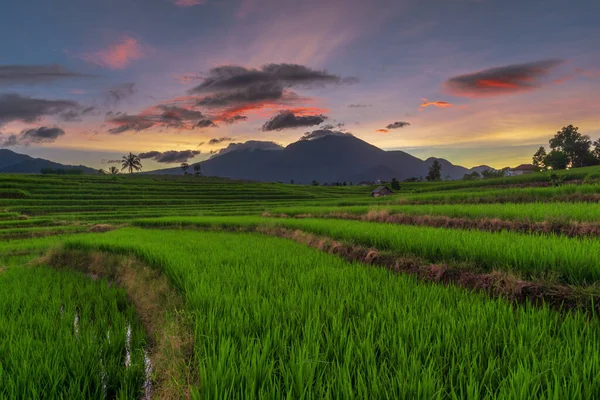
pixel 473 81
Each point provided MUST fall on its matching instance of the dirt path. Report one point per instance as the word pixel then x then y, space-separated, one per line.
pixel 158 306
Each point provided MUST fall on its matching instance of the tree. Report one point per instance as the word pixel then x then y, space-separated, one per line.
pixel 131 162
pixel 102 171
pixel 395 184
pixel 492 173
pixel 435 171
pixel 556 159
pixel 574 145
pixel 473 176
pixel 198 169
pixel 596 149
pixel 315 183
pixel 113 170
pixel 538 158
pixel 185 166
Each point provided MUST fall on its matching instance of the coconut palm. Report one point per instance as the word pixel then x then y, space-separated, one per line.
pixel 102 172
pixel 185 166
pixel 131 162
pixel 113 170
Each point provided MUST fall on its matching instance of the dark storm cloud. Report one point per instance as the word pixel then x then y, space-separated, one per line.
pixel 150 154
pixel 127 122
pixel 220 140
pixel 232 77
pixel 287 119
pixel 114 95
pixel 250 145
pixel 28 74
pixel 179 113
pixel 37 135
pixel 268 91
pixel 397 124
pixel 14 107
pixel 501 80
pixel 171 156
pixel 321 133
pixel 161 115
pixel 235 118
pixel 206 123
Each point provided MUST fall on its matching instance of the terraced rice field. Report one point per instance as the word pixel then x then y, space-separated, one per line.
pixel 176 287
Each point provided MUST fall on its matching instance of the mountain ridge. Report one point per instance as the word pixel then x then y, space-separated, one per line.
pixel 330 158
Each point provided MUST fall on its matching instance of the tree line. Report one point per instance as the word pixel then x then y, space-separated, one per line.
pixel 569 149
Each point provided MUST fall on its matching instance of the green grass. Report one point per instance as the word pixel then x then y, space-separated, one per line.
pixel 511 195
pixel 45 353
pixel 570 260
pixel 536 212
pixel 274 319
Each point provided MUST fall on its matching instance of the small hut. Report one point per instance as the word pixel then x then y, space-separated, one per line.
pixel 381 191
pixel 523 169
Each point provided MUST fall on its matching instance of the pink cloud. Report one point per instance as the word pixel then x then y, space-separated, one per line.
pixel 77 91
pixel 438 104
pixel 188 3
pixel 118 55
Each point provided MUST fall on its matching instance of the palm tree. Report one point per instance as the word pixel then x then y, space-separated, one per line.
pixel 131 162
pixel 113 170
pixel 184 167
pixel 198 169
pixel 102 172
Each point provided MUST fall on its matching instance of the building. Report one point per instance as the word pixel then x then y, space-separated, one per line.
pixel 523 169
pixel 381 191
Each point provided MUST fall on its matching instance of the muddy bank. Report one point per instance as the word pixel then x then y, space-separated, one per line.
pixel 566 228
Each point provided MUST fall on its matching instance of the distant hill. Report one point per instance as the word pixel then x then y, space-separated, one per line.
pixel 15 163
pixel 326 159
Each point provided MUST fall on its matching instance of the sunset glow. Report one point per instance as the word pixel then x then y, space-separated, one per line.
pixel 175 74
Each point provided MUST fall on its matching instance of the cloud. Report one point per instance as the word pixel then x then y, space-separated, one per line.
pixel 118 55
pixel 251 94
pixel 188 78
pixel 111 161
pixel 501 80
pixel 36 135
pixel 29 74
pixel 188 3
pixel 397 124
pixel 438 104
pixel 287 119
pixel 178 117
pixel 321 133
pixel 230 77
pixel 206 123
pixel 250 145
pixel 382 131
pixel 128 122
pixel 359 105
pixel 220 140
pixel 163 115
pixel 235 118
pixel 171 156
pixel 114 95
pixel 14 107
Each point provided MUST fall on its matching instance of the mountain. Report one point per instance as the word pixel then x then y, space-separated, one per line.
pixel 15 163
pixel 331 158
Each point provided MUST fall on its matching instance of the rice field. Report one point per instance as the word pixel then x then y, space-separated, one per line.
pixel 534 212
pixel 267 317
pixel 58 343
